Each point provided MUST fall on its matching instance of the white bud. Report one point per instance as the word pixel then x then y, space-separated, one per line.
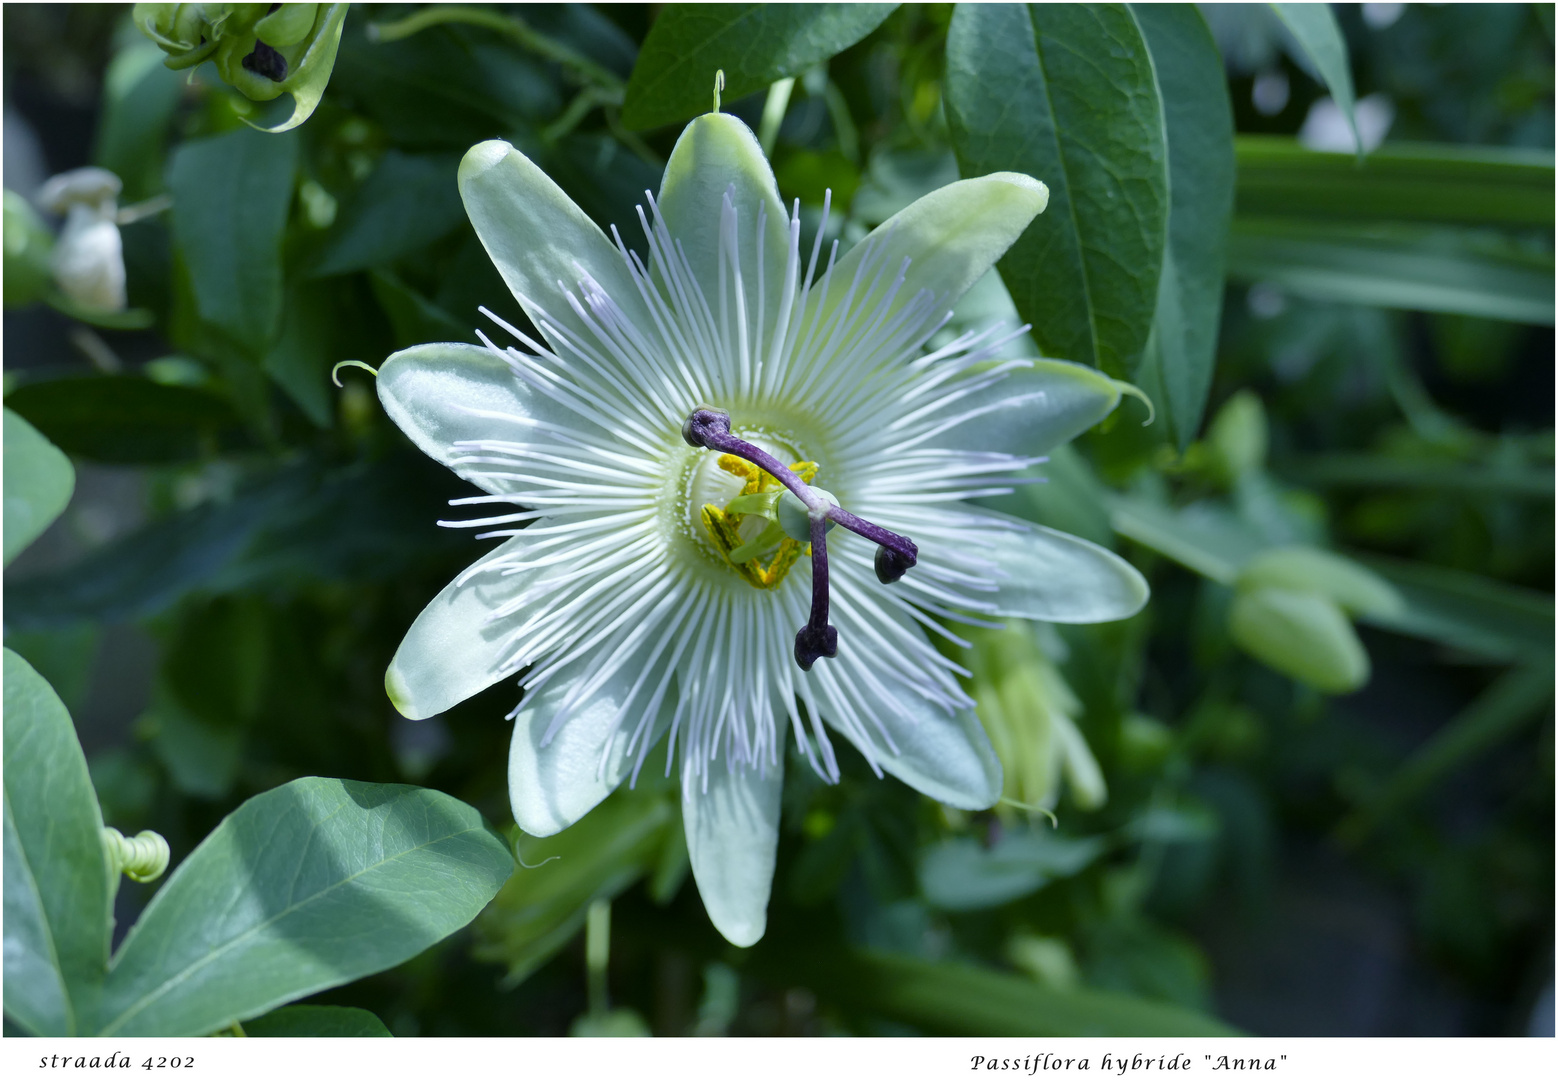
pixel 80 187
pixel 88 260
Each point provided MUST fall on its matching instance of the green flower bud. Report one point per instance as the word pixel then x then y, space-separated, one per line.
pixel 1028 711
pixel 1358 590
pixel 287 25
pixel 188 33
pixel 259 52
pixel 28 247
pixel 1237 437
pixel 1144 742
pixel 1304 635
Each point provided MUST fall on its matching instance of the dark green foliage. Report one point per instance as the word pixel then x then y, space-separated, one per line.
pixel 754 44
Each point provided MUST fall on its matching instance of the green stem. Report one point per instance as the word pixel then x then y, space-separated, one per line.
pixel 597 953
pixel 773 114
pixel 578 109
pixel 510 26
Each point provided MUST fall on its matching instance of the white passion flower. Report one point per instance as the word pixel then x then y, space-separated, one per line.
pixel 668 570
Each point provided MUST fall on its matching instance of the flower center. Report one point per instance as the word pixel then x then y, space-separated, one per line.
pixel 737 506
pixel 795 513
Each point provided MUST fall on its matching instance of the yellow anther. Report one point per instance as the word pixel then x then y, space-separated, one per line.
pixel 724 525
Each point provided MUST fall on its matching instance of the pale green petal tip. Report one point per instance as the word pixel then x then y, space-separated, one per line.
pixel 739 931
pixel 399 692
pixel 1039 188
pixel 482 157
pixel 722 125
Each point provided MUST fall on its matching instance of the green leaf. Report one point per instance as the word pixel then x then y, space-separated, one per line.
pixel 39 481
pixel 57 897
pixel 29 246
pixel 1448 185
pixel 1067 95
pixel 1468 612
pixel 959 999
pixel 1314 28
pixel 1498 714
pixel 960 875
pixel 308 886
pixel 448 87
pixel 231 194
pixel 543 905
pixel 1500 479
pixel 414 318
pixel 1302 634
pixel 142 573
pixel 128 420
pixel 302 356
pixel 201 758
pixel 406 203
pixel 140 97
pixel 1354 587
pixel 1209 541
pixel 754 44
pixel 1176 372
pixel 317 1022
pixel 1420 269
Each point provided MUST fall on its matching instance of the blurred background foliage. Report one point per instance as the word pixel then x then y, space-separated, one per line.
pixel 1300 793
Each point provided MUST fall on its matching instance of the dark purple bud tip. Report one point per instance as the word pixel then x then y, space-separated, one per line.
pixel 891 565
pixel 702 422
pixel 811 643
pixel 267 62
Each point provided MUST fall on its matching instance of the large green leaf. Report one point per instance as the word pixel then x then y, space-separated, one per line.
pixel 140 97
pixel 409 201
pixel 1450 185
pixel 128 420
pixel 231 194
pixel 449 87
pixel 1420 269
pixel 143 572
pixel 317 1022
pixel 1314 28
pixel 1468 612
pixel 1067 94
pixel 1176 372
pixel 307 886
pixel 754 44
pixel 38 484
pixel 1512 480
pixel 57 906
pixel 958 999
pixel 960 874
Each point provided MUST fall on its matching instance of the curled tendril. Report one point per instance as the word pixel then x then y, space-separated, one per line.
pixel 335 376
pixel 143 857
